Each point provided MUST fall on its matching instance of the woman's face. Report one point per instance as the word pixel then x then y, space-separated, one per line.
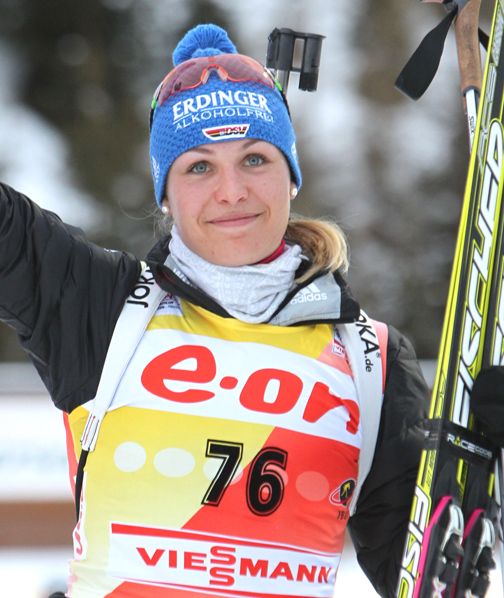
pixel 230 201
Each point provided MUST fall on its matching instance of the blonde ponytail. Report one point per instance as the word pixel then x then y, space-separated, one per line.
pixel 323 242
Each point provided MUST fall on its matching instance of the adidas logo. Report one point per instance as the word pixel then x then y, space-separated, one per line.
pixel 309 294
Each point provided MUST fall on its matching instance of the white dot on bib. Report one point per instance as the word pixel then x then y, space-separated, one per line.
pixel 129 456
pixel 312 486
pixel 174 462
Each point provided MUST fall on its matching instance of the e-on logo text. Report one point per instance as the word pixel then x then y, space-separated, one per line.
pixel 254 393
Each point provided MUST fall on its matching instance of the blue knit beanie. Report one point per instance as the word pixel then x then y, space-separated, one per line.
pixel 216 111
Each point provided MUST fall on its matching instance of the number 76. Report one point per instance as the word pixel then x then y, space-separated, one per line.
pixel 265 485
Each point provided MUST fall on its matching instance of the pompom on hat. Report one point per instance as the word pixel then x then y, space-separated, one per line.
pixel 215 108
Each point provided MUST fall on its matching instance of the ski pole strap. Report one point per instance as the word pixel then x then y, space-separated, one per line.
pixel 421 68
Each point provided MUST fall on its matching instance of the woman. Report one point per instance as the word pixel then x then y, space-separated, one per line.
pixel 226 449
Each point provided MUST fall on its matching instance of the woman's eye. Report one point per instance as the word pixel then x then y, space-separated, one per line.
pixel 255 160
pixel 199 167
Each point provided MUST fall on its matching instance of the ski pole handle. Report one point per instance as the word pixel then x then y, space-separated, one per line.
pixel 469 60
pixel 469 57
pixel 468 50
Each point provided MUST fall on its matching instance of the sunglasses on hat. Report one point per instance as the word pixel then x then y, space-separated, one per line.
pixel 195 72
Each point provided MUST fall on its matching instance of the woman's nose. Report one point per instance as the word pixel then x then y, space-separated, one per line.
pixel 231 187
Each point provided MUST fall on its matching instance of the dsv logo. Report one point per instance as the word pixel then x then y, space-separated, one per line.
pixel 268 390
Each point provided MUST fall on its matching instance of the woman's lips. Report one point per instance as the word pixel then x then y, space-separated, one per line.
pixel 234 220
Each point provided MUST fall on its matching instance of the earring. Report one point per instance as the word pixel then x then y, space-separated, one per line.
pixel 165 210
pixel 293 191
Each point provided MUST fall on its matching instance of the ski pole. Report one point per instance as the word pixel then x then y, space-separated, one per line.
pixel 282 56
pixel 469 60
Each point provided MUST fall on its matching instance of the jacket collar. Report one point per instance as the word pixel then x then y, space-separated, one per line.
pixel 325 297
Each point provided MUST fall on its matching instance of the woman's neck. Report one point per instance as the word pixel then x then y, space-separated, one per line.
pixel 278 252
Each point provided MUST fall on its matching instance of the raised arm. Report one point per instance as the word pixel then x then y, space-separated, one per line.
pixel 60 293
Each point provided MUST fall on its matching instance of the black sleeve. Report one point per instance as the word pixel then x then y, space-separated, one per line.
pixel 61 294
pixel 378 527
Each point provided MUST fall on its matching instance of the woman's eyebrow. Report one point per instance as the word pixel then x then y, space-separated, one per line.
pixel 206 150
pixel 250 142
pixel 201 150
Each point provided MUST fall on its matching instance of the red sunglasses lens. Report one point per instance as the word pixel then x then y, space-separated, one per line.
pixel 229 67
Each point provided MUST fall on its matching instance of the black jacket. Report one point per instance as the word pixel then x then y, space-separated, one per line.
pixel 63 295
